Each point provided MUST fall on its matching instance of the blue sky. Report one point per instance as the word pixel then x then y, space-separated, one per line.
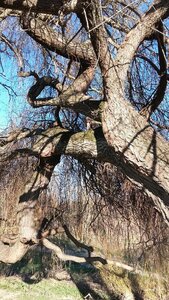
pixel 4 117
pixel 12 105
pixel 8 81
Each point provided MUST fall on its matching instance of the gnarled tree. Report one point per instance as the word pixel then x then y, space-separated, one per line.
pixel 102 53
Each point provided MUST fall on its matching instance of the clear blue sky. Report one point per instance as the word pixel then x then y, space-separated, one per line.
pixel 4 99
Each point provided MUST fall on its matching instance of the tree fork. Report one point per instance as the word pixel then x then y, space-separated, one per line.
pixel 143 153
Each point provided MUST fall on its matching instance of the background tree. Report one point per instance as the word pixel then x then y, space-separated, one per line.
pixel 92 55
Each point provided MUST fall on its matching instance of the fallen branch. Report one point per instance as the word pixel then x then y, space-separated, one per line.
pixel 65 257
pixel 76 242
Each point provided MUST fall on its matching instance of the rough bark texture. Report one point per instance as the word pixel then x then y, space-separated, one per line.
pixel 143 153
pixel 124 138
pixel 50 7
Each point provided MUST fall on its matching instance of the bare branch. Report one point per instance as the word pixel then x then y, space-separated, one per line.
pixel 160 92
pixel 18 134
pixel 92 259
pixel 65 257
pixel 76 242
pixel 14 49
pixel 71 97
pixel 54 41
pixel 27 74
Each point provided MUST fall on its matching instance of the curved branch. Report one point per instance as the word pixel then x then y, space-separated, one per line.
pixel 136 145
pixel 54 41
pixel 71 97
pixel 160 92
pixel 151 63
pixel 50 145
pixel 27 74
pixel 65 257
pixel 14 49
pixel 145 27
pixel 76 242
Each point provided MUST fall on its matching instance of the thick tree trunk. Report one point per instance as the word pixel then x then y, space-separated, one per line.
pixel 142 153
pixel 129 142
pixel 29 214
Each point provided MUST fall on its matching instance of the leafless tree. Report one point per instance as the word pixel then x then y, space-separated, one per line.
pixel 110 60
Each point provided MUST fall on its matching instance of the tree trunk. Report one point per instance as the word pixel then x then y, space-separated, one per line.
pixel 142 153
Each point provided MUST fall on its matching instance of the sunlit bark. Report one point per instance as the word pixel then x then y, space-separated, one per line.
pixel 143 153
pixel 125 138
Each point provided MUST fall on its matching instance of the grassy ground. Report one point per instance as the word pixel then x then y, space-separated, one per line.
pixel 14 288
pixel 40 276
pixel 85 283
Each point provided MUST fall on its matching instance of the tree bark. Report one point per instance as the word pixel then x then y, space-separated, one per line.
pixel 127 141
pixel 54 41
pixel 142 152
pixel 49 7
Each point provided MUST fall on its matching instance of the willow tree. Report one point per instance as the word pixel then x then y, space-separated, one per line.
pixel 111 68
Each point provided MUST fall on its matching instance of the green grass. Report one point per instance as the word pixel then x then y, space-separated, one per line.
pixel 101 282
pixel 14 288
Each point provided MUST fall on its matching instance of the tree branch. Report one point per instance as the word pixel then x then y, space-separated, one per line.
pixel 64 257
pixel 71 97
pixel 14 49
pixel 151 63
pixel 76 242
pixel 41 6
pixel 54 41
pixel 18 134
pixel 160 92
pixel 126 132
